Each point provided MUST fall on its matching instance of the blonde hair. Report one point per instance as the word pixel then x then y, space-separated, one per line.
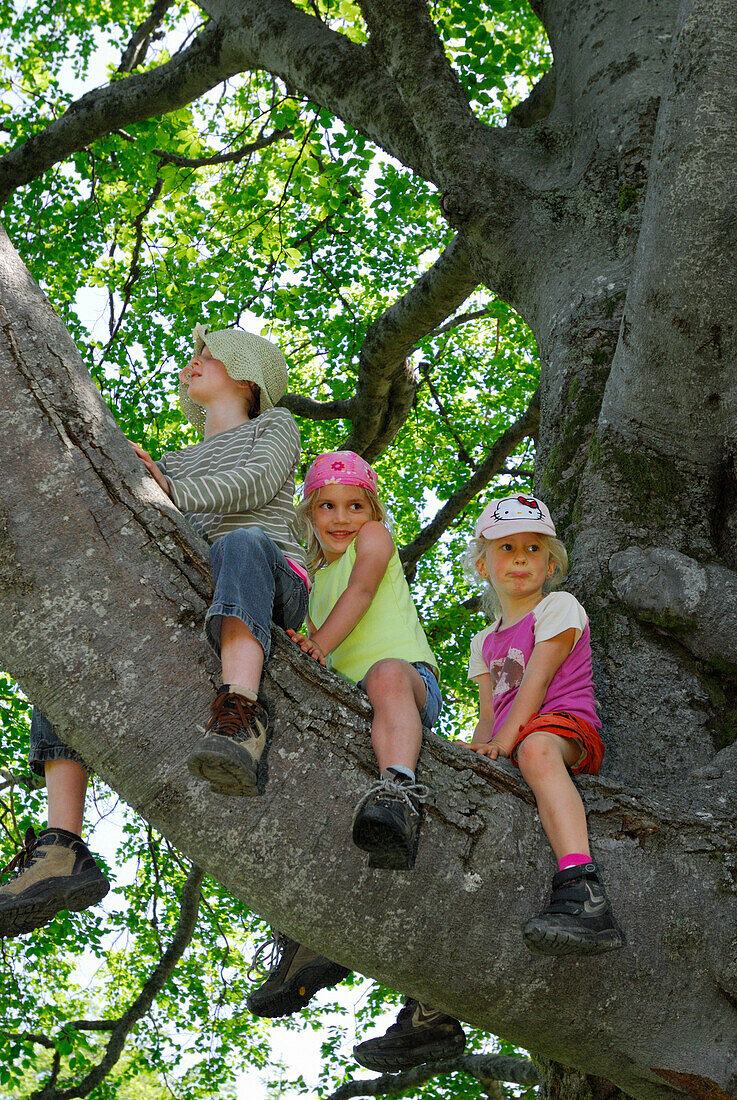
pixel 476 552
pixel 315 557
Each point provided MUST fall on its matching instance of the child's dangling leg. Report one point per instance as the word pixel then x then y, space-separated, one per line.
pixel 387 820
pixel 578 918
pixel 253 583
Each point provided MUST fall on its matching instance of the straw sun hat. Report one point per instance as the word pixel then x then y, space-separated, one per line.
pixel 246 358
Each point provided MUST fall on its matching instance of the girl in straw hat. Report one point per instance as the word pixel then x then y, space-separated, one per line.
pixel 236 487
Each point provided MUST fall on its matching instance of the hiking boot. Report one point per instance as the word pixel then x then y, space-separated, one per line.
pixel 386 822
pixel 295 977
pixel 578 919
pixel 54 871
pixel 419 1035
pixel 228 754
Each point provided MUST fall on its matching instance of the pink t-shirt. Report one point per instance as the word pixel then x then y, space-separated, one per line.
pixel 505 653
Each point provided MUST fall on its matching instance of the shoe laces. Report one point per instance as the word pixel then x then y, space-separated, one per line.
pixel 232 714
pixel 411 793
pixel 263 963
pixel 22 858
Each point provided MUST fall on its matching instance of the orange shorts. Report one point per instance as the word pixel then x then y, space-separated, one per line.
pixel 565 724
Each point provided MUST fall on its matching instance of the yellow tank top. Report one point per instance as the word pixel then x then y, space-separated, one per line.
pixel 390 627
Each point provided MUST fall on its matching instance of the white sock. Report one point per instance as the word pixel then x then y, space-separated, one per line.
pixel 401 770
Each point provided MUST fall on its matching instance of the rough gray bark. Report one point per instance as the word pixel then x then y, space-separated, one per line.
pixel 606 218
pixel 101 606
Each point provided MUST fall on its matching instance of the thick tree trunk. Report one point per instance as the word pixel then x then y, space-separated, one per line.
pixel 102 594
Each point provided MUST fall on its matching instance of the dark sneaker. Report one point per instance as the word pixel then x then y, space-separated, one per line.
pixel 295 977
pixel 228 754
pixel 387 820
pixel 54 871
pixel 578 919
pixel 419 1035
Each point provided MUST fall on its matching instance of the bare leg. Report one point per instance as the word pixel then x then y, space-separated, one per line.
pixel 241 654
pixel 66 785
pixel 544 759
pixel 397 693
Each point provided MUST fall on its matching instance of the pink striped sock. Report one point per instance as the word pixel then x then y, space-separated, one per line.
pixel 573 860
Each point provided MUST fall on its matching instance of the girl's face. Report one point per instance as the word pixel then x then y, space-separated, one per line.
pixel 338 514
pixel 517 566
pixel 208 380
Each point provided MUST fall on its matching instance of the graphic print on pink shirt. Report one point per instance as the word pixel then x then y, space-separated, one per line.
pixel 507 672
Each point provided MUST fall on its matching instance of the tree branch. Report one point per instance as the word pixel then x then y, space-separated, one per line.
pixel 272 35
pixel 696 602
pixel 526 425
pixel 404 36
pixel 136 50
pixel 483 1067
pixel 190 903
pixel 538 105
pixel 224 158
pixel 386 384
pixel 300 405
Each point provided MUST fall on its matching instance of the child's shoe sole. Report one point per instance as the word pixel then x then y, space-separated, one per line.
pixel 298 991
pixel 69 896
pixel 225 765
pixel 543 939
pixel 387 850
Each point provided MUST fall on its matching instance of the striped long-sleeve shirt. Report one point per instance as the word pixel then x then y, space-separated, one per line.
pixel 243 477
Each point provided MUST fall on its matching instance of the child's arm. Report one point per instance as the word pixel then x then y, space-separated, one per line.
pixel 485 725
pixel 374 549
pixel 544 662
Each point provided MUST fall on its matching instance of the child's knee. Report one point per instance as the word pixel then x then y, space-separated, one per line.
pixel 537 754
pixel 386 678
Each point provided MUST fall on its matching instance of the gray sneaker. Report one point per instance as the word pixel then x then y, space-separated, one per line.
pixel 228 754
pixel 420 1034
pixel 54 871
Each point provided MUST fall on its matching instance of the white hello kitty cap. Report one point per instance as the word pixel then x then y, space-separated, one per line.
pixel 513 516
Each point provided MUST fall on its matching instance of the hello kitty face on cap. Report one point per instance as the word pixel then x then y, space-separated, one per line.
pixel 514 515
pixel 518 508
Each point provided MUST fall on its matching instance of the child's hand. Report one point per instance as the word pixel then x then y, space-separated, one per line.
pixel 151 466
pixel 492 749
pixel 307 645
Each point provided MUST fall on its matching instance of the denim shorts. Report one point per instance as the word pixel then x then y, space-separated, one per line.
pixel 255 583
pixel 433 699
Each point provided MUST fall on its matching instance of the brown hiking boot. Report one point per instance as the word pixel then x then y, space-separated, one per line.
pixel 420 1034
pixel 295 977
pixel 228 754
pixel 54 871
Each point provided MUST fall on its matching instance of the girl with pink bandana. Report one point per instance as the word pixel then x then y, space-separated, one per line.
pixel 363 625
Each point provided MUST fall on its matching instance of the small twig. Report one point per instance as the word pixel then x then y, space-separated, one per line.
pixel 462 452
pixel 136 50
pixel 223 158
pixel 160 975
pixel 526 425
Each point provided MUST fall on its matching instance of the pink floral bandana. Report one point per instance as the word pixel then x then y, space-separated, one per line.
pixel 339 468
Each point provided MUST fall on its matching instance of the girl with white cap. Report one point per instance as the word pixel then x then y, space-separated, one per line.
pixel 537 707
